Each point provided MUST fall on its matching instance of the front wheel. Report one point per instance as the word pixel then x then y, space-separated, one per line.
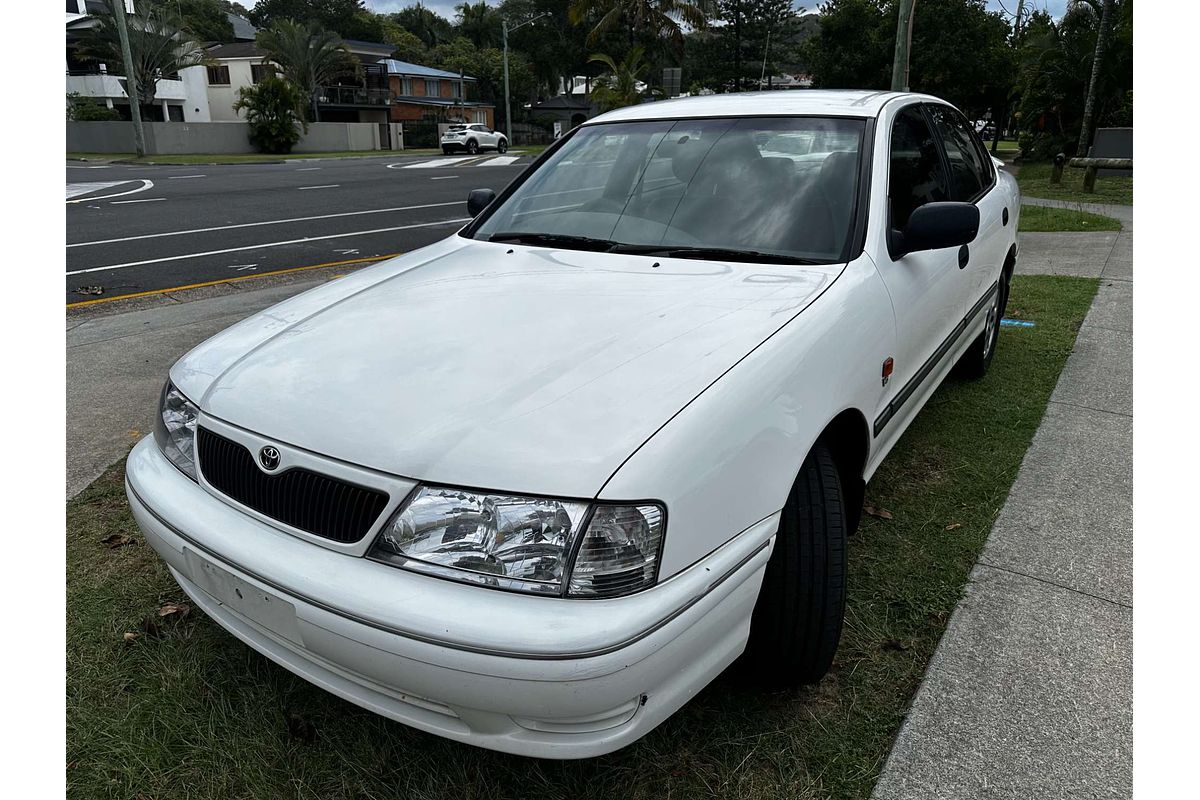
pixel 502 146
pixel 978 357
pixel 797 621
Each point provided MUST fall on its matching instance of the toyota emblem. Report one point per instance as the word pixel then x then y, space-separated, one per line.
pixel 269 457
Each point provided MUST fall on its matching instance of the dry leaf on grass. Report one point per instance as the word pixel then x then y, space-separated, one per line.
pixel 116 540
pixel 880 513
pixel 175 611
pixel 954 526
pixel 130 636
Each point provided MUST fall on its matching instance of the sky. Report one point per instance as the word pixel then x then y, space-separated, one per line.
pixel 446 7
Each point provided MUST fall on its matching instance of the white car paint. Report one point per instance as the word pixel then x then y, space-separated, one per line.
pixel 483 136
pixel 698 384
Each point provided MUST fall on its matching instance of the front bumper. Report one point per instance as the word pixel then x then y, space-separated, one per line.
pixel 535 676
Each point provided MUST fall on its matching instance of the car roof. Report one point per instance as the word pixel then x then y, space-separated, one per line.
pixel 822 102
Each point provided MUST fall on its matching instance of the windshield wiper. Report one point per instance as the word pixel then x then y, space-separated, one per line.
pixel 553 240
pixel 715 253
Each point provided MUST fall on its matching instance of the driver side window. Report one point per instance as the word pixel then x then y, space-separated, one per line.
pixel 915 173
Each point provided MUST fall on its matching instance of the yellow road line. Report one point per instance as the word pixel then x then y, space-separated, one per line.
pixel 152 292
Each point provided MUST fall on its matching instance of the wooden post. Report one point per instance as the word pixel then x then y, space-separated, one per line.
pixel 1089 180
pixel 1059 161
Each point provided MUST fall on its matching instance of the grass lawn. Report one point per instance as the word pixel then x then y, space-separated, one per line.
pixel 1034 178
pixel 1044 218
pixel 191 712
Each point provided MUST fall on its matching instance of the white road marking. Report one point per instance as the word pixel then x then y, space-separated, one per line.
pixel 323 186
pixel 243 267
pixel 347 252
pixel 308 169
pixel 147 200
pixel 76 189
pixel 437 162
pixel 146 184
pixel 181 177
pixel 443 177
pixel 499 161
pixel 271 244
pixel 266 222
pixel 92 166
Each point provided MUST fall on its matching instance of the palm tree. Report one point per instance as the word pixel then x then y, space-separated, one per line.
pixel 659 19
pixel 618 87
pixel 480 23
pixel 157 44
pixel 308 55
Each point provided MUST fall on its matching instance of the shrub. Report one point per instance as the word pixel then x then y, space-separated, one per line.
pixel 275 110
pixel 85 109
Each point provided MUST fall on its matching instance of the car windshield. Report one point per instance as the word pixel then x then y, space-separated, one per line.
pixel 779 188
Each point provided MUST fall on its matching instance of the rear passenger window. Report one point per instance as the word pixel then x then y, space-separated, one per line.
pixel 970 171
pixel 915 174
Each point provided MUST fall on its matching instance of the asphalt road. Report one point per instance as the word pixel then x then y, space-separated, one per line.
pixel 140 228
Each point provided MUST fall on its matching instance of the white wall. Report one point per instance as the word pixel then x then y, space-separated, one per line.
pixel 222 98
pixel 195 101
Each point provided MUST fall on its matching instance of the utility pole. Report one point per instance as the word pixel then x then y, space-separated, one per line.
pixel 504 29
pixel 1089 106
pixel 131 88
pixel 904 26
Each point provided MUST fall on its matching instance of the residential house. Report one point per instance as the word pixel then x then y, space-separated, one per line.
pixel 361 97
pixel 425 94
pixel 180 98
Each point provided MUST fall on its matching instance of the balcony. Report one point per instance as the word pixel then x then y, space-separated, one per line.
pixel 99 84
pixel 353 96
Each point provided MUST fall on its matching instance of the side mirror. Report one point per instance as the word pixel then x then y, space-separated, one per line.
pixel 478 200
pixel 934 226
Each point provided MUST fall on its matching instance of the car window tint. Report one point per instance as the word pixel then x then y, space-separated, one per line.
pixel 784 186
pixel 916 176
pixel 969 173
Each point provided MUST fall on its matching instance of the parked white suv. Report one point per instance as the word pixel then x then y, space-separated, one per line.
pixel 532 487
pixel 473 138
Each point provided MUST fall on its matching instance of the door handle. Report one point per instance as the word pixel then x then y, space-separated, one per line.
pixel 964 255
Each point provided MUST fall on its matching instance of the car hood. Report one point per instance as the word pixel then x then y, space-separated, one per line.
pixel 496 366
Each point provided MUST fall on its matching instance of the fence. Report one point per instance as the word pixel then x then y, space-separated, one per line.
pixel 184 138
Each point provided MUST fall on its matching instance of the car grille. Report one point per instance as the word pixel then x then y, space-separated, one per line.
pixel 315 503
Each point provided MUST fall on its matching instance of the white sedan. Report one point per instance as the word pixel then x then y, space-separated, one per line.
pixel 473 138
pixel 532 487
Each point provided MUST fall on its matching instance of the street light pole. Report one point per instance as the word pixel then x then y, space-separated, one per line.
pixel 504 29
pixel 131 87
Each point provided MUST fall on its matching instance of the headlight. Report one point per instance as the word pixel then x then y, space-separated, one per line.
pixel 525 543
pixel 175 429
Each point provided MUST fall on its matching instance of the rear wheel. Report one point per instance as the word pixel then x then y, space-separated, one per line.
pixel 975 361
pixel 502 146
pixel 446 151
pixel 797 620
pixel 473 147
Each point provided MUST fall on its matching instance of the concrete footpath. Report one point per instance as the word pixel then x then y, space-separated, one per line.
pixel 1029 694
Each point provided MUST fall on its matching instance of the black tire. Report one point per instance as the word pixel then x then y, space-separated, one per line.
pixel 473 147
pixel 502 146
pixel 797 620
pixel 978 357
pixel 446 151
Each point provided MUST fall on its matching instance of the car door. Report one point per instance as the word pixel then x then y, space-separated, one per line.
pixel 928 289
pixel 973 180
pixel 485 136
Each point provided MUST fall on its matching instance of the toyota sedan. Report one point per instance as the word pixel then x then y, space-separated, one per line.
pixel 534 486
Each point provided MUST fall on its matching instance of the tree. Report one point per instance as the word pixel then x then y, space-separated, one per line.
pixel 205 20
pixel 487 67
pixel 654 19
pixel 275 112
pixel 157 45
pixel 617 87
pixel 428 26
pixel 756 39
pixel 350 19
pixel 87 109
pixel 307 55
pixel 556 49
pixel 479 23
pixel 1089 105
pixel 960 50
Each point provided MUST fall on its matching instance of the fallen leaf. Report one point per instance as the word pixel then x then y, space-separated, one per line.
pixel 954 526
pixel 177 611
pixel 130 636
pixel 116 540
pixel 881 513
pixel 90 290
